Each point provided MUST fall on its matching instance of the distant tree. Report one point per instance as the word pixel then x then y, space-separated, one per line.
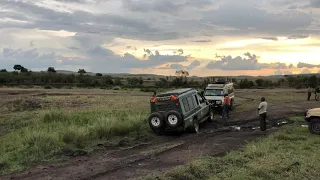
pixel 312 81
pixel 162 83
pixel 20 68
pixel 135 81
pixel 260 82
pixel 17 67
pixel 82 71
pixel 246 84
pixel 3 70
pixel 24 70
pixel 118 82
pixel 51 69
pixel 99 74
pixel 108 80
pixel 182 73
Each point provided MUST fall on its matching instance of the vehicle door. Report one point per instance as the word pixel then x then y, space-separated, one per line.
pixel 204 107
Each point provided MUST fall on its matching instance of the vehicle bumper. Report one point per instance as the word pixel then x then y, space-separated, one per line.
pixel 217 108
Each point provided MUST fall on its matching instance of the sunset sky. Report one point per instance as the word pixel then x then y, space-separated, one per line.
pixel 205 37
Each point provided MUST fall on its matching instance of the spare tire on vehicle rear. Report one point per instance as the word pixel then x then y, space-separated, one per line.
pixel 173 119
pixel 156 122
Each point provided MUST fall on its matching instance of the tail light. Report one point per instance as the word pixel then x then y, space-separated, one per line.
pixel 154 99
pixel 174 97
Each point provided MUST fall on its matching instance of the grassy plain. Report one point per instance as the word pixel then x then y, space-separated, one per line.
pixel 39 125
pixel 291 153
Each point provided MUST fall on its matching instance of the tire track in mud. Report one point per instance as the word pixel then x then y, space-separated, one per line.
pixel 163 153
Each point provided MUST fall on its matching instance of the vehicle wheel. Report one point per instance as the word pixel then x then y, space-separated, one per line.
pixel 173 118
pixel 314 126
pixel 195 127
pixel 156 123
pixel 211 115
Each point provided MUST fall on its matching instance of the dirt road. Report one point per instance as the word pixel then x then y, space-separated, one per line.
pixel 163 152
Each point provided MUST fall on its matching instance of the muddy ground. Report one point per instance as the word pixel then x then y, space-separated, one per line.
pixel 164 152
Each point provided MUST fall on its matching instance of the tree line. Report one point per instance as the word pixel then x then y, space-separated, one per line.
pixel 22 76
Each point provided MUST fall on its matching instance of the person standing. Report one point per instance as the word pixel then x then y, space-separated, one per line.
pixel 226 106
pixel 317 92
pixel 309 93
pixel 262 109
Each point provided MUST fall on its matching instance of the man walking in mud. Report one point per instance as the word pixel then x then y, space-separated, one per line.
pixel 262 109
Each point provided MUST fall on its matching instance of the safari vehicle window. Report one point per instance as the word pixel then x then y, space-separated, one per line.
pixel 213 92
pixel 185 105
pixel 190 102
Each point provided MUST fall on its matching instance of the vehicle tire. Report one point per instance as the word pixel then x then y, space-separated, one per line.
pixel 314 126
pixel 195 126
pixel 211 115
pixel 173 119
pixel 156 123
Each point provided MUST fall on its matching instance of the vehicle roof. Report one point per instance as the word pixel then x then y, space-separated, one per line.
pixel 176 91
pixel 218 85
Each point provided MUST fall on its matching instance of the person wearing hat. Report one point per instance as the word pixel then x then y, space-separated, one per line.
pixel 262 109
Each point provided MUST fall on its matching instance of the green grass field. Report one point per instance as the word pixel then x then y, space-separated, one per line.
pixel 291 153
pixel 47 128
pixel 47 125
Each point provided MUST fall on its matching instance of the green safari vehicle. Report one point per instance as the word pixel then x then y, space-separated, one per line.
pixel 179 110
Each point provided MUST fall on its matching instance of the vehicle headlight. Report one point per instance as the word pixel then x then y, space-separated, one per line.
pixel 219 102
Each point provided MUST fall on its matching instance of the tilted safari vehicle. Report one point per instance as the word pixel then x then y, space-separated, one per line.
pixel 179 110
pixel 312 116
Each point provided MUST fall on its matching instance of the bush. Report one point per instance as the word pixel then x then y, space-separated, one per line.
pixel 147 90
pixel 76 136
pixel 116 88
pixel 47 87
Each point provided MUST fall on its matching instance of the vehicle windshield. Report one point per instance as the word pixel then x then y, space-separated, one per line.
pixel 213 92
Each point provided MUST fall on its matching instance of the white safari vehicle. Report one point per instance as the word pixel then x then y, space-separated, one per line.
pixel 215 92
pixel 312 116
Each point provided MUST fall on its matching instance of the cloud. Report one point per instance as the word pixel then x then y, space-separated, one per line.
pixel 257 20
pixel 314 4
pixel 298 36
pixel 237 63
pixel 164 6
pixel 194 64
pixel 31 43
pixel 176 66
pixel 270 38
pixel 202 41
pixel 250 62
pixel 305 71
pixel 97 59
pixel 306 65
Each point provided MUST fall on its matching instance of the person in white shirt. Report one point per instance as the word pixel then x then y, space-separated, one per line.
pixel 262 109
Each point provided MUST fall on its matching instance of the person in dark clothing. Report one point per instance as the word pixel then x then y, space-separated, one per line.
pixel 226 107
pixel 309 93
pixel 317 93
pixel 262 109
